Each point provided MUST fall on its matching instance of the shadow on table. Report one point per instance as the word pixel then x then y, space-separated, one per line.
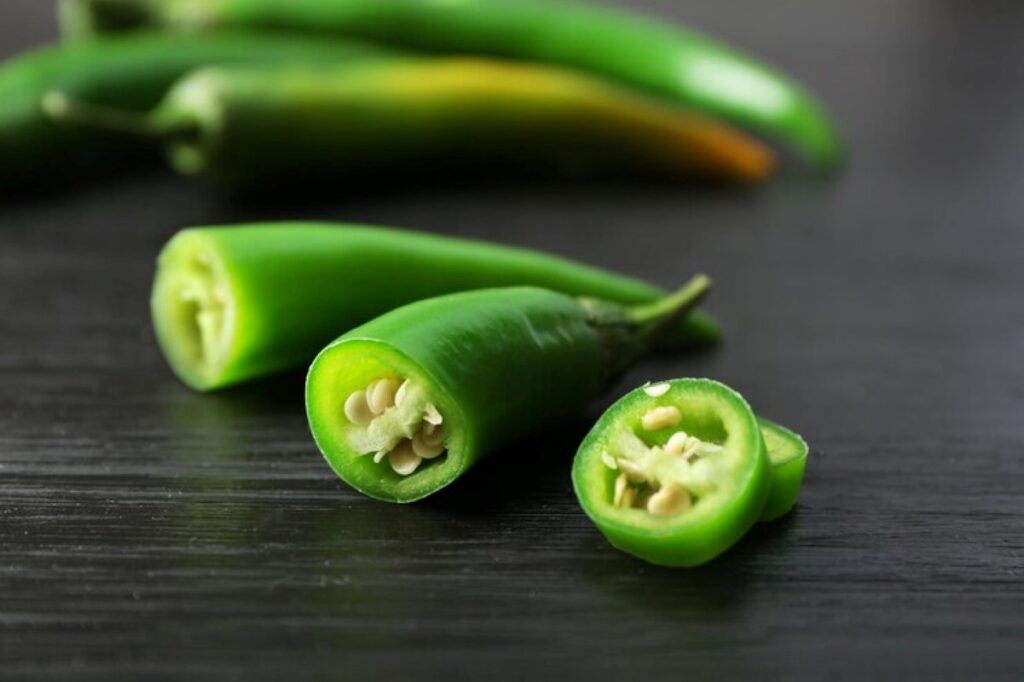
pixel 73 183
pixel 287 196
pixel 717 590
pixel 279 394
pixel 534 465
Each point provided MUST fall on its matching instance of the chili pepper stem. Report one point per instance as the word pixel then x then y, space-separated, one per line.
pixel 652 317
pixel 64 109
pixel 627 332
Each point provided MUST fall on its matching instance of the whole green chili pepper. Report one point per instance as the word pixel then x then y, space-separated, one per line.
pixel 132 73
pixel 679 65
pixel 247 125
pixel 435 385
pixel 235 303
pixel 787 452
pixel 674 472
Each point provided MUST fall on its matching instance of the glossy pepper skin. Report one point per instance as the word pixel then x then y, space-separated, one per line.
pixel 231 304
pixel 498 364
pixel 131 73
pixel 787 452
pixel 720 515
pixel 250 125
pixel 673 63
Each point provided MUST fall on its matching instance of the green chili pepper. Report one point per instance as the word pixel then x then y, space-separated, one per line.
pixel 235 303
pixel 251 124
pixel 131 73
pixel 787 452
pixel 674 472
pixel 681 66
pixel 435 385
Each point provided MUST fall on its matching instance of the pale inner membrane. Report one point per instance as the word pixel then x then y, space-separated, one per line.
pixel 394 419
pixel 666 478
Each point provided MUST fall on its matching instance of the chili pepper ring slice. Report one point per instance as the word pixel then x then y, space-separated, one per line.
pixel 674 475
pixel 787 452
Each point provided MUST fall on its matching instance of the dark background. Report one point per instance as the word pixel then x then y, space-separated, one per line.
pixel 148 530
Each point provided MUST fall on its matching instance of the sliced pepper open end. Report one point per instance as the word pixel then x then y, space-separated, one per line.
pixel 393 419
pixel 194 308
pixel 382 424
pixel 675 472
pixel 787 452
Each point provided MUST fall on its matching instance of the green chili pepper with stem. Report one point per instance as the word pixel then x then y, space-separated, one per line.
pixel 787 452
pixel 678 65
pixel 674 472
pixel 131 73
pixel 231 304
pixel 247 125
pixel 435 385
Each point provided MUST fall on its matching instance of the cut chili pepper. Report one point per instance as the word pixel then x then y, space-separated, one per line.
pixel 231 304
pixel 405 404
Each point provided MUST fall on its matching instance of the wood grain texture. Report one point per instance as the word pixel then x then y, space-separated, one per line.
pixel 149 532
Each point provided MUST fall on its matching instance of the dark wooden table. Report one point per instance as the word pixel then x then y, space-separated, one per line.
pixel 147 531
